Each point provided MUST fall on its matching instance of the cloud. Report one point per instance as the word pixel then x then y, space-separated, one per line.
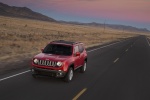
pixel 134 10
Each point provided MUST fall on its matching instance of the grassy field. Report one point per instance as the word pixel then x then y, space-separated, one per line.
pixel 23 37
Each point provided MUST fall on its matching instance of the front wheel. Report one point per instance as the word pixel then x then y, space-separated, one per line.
pixel 69 75
pixel 83 68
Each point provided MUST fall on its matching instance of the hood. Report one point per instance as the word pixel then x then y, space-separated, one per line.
pixel 51 57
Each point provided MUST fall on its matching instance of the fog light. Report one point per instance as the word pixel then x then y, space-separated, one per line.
pixel 60 74
pixel 32 70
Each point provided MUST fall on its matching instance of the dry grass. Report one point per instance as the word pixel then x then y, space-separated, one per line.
pixel 26 37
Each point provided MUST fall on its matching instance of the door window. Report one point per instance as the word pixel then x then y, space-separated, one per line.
pixel 76 49
pixel 81 48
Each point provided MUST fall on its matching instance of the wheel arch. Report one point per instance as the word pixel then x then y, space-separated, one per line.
pixel 72 66
pixel 85 59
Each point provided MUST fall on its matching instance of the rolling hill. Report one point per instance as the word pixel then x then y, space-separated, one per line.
pixel 22 12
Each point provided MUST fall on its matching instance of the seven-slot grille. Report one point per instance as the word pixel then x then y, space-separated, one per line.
pixel 47 63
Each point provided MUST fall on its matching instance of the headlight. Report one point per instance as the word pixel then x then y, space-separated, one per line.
pixel 35 61
pixel 59 63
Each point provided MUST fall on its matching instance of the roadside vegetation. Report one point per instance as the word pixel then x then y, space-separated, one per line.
pixel 24 38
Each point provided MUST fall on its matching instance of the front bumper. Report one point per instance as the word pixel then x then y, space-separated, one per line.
pixel 48 72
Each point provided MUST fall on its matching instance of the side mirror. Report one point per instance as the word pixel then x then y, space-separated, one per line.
pixel 77 53
pixel 42 49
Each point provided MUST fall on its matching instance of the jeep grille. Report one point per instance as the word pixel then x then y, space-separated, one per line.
pixel 47 63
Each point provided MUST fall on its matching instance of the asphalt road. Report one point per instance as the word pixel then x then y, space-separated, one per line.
pixel 118 71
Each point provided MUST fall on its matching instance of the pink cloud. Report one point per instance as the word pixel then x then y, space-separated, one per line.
pixel 131 10
pixel 135 10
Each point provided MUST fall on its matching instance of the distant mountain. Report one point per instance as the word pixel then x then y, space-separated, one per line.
pixel 120 27
pixel 22 12
pixel 113 26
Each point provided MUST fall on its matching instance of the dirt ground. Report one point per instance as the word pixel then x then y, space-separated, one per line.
pixel 21 39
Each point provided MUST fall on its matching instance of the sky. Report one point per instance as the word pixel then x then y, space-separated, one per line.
pixel 125 12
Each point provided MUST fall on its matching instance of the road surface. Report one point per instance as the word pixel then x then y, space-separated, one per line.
pixel 117 71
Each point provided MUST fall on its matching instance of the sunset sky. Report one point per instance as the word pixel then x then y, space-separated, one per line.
pixel 126 12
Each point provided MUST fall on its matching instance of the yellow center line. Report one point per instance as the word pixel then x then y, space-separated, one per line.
pixel 79 94
pixel 116 60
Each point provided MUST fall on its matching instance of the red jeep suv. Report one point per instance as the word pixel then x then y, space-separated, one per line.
pixel 60 59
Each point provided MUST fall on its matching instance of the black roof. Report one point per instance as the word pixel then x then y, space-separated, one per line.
pixel 65 42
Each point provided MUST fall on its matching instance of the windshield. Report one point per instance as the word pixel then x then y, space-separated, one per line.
pixel 58 49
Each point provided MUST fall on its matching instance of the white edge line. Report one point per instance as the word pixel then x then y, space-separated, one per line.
pixel 147 41
pixel 29 70
pixel 14 75
pixel 116 60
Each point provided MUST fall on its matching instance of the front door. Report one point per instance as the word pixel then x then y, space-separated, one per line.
pixel 77 61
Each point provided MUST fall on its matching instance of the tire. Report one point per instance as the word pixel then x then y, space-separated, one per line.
pixel 69 75
pixel 83 68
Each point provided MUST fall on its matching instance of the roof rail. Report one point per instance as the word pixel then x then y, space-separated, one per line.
pixel 65 42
